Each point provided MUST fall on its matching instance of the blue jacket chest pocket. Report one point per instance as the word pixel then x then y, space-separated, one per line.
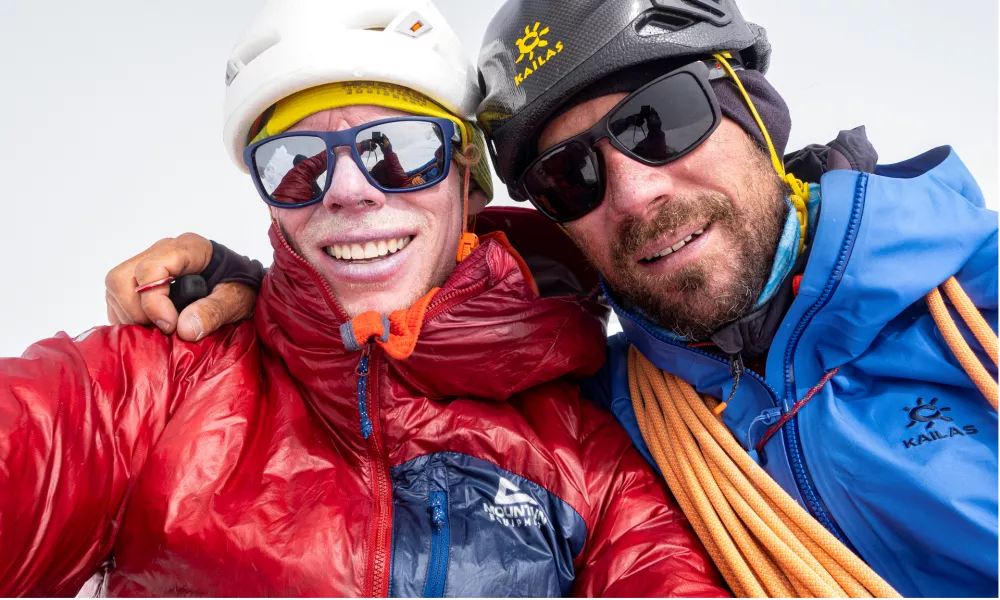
pixel 464 527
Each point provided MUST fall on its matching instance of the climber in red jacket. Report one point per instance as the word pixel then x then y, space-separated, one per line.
pixel 399 418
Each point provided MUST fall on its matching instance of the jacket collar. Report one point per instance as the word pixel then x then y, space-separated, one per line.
pixel 866 242
pixel 490 317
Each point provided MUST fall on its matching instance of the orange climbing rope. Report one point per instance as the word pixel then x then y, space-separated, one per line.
pixel 763 542
pixel 977 324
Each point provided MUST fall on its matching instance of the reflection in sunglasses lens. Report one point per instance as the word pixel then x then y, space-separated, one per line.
pixel 292 169
pixel 565 181
pixel 664 120
pixel 656 125
pixel 402 155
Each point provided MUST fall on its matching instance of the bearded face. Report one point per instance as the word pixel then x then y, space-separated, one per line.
pixel 690 243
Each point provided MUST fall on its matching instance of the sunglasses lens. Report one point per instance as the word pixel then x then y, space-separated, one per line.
pixel 665 120
pixel 402 155
pixel 565 183
pixel 292 170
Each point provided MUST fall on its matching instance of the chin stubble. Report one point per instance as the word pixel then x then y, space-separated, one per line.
pixel 691 302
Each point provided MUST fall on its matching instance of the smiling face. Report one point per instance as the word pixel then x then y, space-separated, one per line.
pixel 689 243
pixel 378 251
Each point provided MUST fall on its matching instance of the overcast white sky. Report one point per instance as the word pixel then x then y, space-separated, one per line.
pixel 111 120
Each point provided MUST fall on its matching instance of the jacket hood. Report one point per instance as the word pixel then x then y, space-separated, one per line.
pixel 492 330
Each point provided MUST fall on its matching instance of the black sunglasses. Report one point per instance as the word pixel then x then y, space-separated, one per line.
pixel 655 125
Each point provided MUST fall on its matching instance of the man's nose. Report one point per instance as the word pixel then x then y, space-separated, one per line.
pixel 350 189
pixel 633 189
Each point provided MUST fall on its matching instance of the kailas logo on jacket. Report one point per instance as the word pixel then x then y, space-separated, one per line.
pixel 513 508
pixel 928 413
pixel 931 415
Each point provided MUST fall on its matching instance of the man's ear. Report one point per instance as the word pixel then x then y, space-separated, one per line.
pixel 477 201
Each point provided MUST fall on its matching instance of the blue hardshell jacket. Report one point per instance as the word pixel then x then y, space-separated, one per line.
pixel 897 455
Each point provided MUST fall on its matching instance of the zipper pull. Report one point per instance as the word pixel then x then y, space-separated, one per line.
pixel 757 427
pixel 736 370
pixel 362 371
pixel 437 569
pixel 438 516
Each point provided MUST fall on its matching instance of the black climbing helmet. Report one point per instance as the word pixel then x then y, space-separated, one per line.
pixel 537 54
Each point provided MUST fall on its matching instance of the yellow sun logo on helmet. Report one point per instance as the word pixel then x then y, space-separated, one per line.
pixel 534 39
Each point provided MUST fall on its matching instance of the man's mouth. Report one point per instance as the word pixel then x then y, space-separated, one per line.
pixel 369 251
pixel 675 247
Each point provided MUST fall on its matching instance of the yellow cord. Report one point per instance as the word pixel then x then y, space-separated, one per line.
pixel 800 190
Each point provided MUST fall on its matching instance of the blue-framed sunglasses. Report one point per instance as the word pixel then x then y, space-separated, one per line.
pixel 401 154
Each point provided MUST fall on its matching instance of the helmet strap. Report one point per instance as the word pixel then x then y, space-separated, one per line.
pixel 468 241
pixel 800 191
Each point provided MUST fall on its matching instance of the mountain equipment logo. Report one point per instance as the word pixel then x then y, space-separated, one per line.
pixel 534 40
pixel 508 493
pixel 931 413
pixel 513 508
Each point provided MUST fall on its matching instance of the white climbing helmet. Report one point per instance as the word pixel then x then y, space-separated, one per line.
pixel 294 45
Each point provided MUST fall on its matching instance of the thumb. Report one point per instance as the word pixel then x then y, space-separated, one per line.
pixel 228 303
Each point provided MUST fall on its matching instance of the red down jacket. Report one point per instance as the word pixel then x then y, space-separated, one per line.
pixel 238 466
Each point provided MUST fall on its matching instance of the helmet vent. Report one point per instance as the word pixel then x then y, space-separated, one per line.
pixel 374 28
pixel 656 22
pixel 712 11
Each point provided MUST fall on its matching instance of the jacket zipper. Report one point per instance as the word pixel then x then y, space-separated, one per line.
pixel 437 570
pixel 698 351
pixel 792 445
pixel 380 535
pixel 316 277
pixel 792 442
pixel 362 371
pixel 443 302
pixel 804 484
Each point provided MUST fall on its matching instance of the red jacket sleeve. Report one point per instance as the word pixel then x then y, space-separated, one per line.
pixel 639 543
pixel 77 420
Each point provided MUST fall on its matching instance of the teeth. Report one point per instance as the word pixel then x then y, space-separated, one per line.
pixel 368 250
pixel 670 250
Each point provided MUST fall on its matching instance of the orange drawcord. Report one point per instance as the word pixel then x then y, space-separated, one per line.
pixel 468 241
pixel 959 347
pixel 396 333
